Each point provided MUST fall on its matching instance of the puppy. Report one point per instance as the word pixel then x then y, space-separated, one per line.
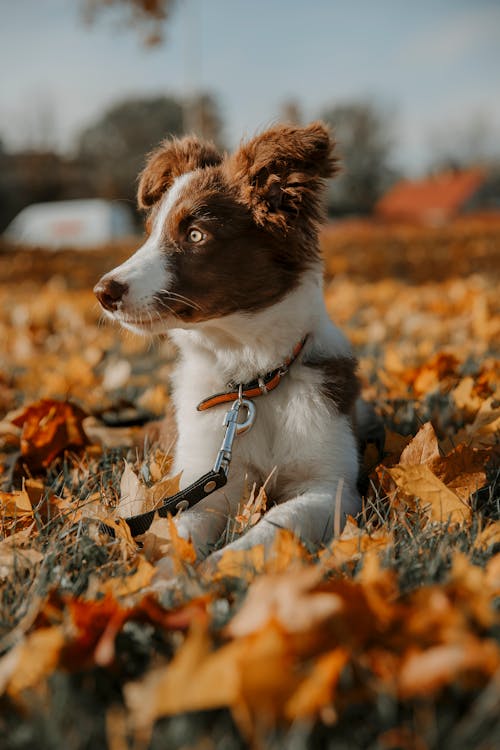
pixel 231 270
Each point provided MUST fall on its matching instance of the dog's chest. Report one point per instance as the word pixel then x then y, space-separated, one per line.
pixel 293 426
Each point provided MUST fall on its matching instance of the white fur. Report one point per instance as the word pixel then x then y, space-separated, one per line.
pixel 146 272
pixel 297 429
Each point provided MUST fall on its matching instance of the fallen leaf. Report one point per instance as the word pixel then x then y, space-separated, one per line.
pixel 488 536
pixel 462 470
pixel 289 599
pixel 318 689
pixel 423 448
pixel 440 502
pixel 37 657
pixel 14 559
pixel 464 396
pixel 195 679
pixel 243 563
pixel 425 672
pixel 48 428
pixel 126 585
pixel 132 494
pixel 182 550
pixel 13 504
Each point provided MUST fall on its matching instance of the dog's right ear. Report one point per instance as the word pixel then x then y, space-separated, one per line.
pixel 171 159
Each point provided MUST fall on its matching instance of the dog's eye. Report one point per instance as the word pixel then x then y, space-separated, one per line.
pixel 194 235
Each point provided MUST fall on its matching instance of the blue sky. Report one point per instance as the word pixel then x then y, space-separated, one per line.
pixel 435 64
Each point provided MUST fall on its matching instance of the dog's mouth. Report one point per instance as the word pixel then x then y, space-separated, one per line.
pixel 147 321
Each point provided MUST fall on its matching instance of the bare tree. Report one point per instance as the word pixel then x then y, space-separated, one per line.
pixel 364 144
pixel 149 15
pixel 115 146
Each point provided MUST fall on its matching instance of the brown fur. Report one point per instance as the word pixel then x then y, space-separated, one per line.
pixel 171 159
pixel 281 175
pixel 247 205
pixel 340 382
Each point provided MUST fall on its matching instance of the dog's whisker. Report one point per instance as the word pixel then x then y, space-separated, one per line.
pixel 180 297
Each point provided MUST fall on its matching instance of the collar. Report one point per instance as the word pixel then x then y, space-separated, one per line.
pixel 258 387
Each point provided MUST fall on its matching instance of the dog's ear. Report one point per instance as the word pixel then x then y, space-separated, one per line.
pixel 171 159
pixel 281 173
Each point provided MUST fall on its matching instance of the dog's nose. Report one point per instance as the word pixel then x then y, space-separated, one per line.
pixel 110 292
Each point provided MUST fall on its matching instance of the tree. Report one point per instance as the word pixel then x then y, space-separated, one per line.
pixel 149 15
pixel 202 116
pixel 116 144
pixel 364 145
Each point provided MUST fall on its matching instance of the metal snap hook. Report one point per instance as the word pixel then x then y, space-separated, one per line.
pixel 242 427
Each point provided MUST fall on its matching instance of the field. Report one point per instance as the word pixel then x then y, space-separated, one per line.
pixel 389 638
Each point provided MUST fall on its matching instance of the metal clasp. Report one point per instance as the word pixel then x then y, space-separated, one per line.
pixel 233 428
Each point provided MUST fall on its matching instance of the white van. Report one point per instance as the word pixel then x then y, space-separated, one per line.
pixel 74 223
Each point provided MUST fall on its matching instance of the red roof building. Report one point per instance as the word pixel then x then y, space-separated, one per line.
pixel 436 199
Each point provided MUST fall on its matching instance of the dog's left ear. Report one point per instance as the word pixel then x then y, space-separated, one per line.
pixel 281 173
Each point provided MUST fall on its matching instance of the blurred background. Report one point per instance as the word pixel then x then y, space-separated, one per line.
pixel 90 86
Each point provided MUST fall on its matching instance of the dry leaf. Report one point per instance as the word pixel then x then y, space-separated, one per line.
pixel 318 689
pixel 422 449
pixel 123 586
pixel 48 428
pixel 352 543
pixel 132 500
pixel 424 672
pixel 462 470
pixel 13 504
pixel 37 657
pixel 195 679
pixel 440 502
pixel 289 599
pixel 15 559
pixel 488 536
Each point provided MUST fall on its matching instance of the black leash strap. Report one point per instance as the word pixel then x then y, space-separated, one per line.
pixel 182 500
pixel 206 484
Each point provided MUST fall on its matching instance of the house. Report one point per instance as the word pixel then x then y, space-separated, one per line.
pixel 441 197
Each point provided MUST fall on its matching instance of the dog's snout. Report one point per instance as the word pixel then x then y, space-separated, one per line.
pixel 110 292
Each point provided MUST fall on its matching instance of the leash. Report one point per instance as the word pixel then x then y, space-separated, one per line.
pixel 217 476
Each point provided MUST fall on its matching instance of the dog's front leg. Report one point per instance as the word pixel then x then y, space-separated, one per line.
pixel 204 524
pixel 311 516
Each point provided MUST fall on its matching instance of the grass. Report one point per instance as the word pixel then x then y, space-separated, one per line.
pixel 419 336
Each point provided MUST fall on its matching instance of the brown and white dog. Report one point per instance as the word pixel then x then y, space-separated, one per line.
pixel 231 269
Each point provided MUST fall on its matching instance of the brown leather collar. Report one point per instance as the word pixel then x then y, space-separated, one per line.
pixel 257 387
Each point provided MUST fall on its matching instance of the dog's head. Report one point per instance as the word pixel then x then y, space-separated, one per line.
pixel 225 233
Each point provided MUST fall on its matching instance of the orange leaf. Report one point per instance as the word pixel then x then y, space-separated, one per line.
pixel 195 679
pixel 462 470
pixel 13 504
pixel 125 585
pixel 423 448
pixel 425 672
pixel 440 502
pixel 37 657
pixel 289 599
pixel 243 563
pixel 317 690
pixel 182 549
pixel 48 428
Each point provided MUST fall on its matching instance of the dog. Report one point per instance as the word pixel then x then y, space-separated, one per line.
pixel 231 269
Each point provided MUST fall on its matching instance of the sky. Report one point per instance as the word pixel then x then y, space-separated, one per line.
pixel 434 65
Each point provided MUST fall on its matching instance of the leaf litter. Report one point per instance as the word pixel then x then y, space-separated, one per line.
pixel 400 610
